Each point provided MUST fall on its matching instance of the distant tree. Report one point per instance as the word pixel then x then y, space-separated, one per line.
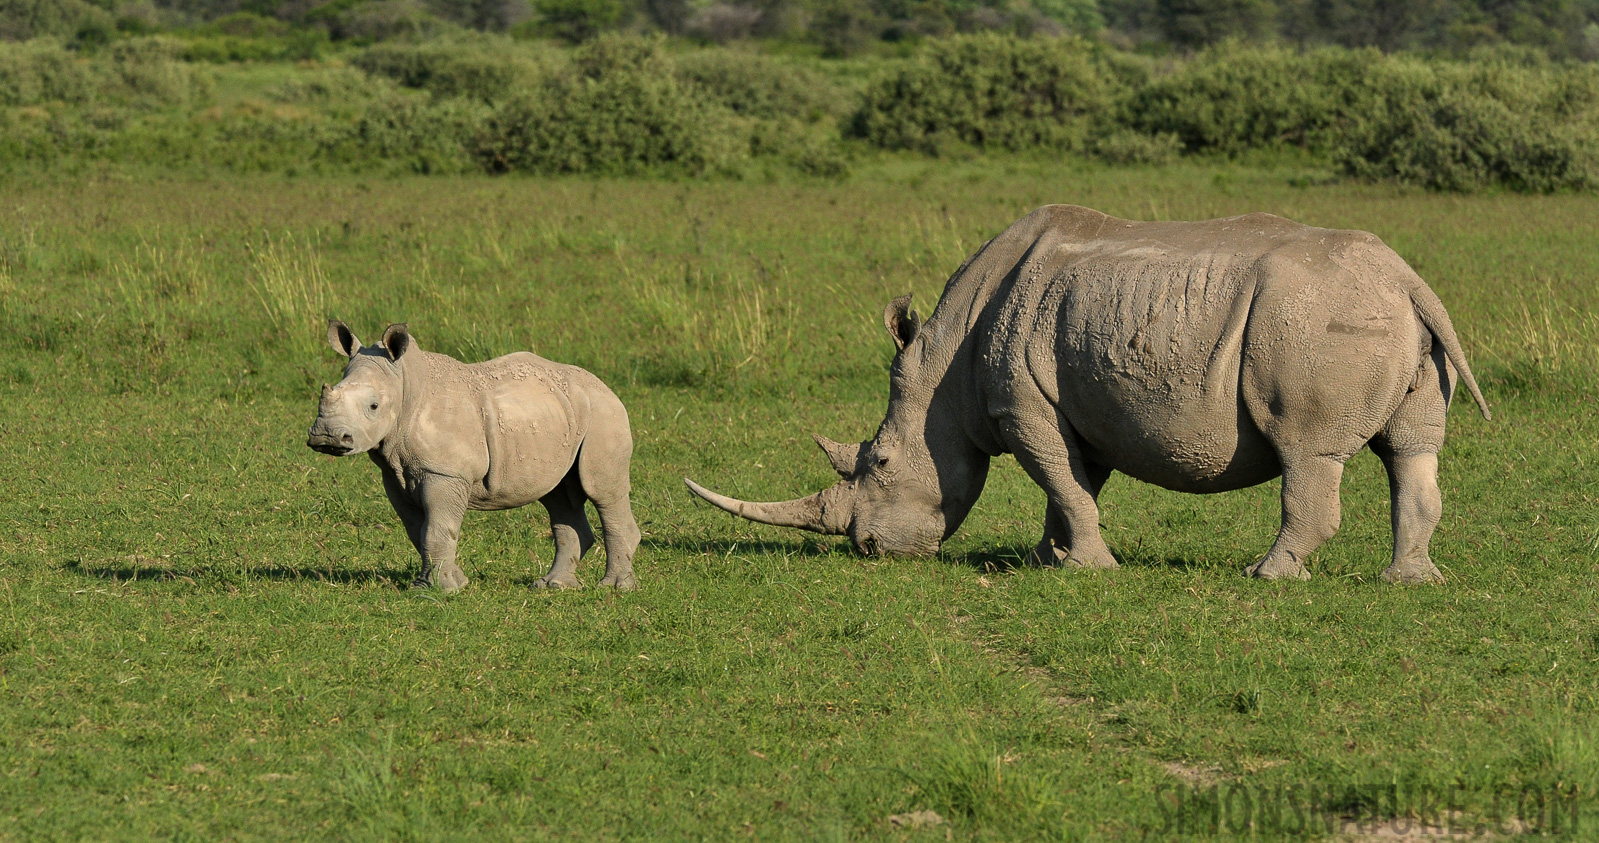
pixel 845 27
pixel 577 21
pixel 1195 23
pixel 1081 17
pixel 1387 25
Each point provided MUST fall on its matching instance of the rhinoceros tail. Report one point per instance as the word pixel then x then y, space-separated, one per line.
pixel 1432 313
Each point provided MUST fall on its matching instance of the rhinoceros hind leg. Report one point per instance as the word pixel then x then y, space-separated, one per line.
pixel 1417 506
pixel 1311 513
pixel 569 526
pixel 1408 447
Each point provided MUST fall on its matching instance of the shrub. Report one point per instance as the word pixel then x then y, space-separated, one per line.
pixel 1467 126
pixel 39 72
pixel 419 136
pixel 753 85
pixel 150 72
pixel 618 108
pixel 488 70
pixel 990 91
pixel 1232 98
pixel 1506 117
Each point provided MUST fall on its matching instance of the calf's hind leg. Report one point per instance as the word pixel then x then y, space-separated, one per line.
pixel 603 468
pixel 569 526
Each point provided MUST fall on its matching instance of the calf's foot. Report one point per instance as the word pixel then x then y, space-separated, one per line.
pixel 448 578
pixel 1413 572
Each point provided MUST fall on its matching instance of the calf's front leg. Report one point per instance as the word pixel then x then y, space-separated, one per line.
pixel 443 505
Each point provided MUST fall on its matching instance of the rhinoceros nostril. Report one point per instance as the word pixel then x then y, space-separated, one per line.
pixel 347 439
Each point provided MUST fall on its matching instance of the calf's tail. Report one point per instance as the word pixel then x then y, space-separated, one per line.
pixel 1432 314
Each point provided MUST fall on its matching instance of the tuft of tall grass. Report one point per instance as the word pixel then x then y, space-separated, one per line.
pixel 980 783
pixel 286 275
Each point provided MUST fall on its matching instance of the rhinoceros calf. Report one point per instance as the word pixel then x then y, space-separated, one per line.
pixel 450 437
pixel 1200 356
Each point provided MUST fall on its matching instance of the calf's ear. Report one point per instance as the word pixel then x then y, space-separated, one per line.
pixel 397 339
pixel 901 321
pixel 342 338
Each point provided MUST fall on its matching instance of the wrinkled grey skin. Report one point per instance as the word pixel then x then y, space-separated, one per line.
pixel 450 437
pixel 1199 356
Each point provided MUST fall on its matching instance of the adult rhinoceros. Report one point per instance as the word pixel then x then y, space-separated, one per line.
pixel 1199 356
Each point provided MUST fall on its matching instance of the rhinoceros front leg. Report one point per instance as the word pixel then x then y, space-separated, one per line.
pixel 1050 454
pixel 569 526
pixel 444 504
pixel 1311 513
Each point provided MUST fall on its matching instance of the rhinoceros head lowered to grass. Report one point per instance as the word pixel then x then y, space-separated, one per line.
pixel 1199 356
pixel 355 415
pixel 903 492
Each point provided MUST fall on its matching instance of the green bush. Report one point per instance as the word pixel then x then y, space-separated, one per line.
pixel 150 72
pixel 992 92
pixel 1234 98
pixel 1467 126
pixel 618 108
pixel 485 69
pixel 37 72
pixel 1507 118
pixel 419 136
pixel 753 85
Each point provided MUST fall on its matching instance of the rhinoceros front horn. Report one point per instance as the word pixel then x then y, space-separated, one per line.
pixel 827 512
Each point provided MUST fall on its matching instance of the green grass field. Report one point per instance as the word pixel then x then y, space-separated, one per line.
pixel 206 631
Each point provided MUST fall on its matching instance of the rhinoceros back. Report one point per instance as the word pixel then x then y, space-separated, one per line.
pixel 1137 335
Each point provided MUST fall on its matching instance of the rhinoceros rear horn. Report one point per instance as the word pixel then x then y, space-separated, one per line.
pixel 342 338
pixel 843 457
pixel 827 512
pixel 901 321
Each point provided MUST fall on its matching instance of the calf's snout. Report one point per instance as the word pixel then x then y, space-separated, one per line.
pixel 325 438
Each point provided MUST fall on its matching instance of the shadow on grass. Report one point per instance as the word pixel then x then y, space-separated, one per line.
pixel 156 573
pixel 989 560
pixel 810 548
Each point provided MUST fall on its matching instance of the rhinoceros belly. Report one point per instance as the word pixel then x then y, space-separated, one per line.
pixel 1145 355
pixel 532 433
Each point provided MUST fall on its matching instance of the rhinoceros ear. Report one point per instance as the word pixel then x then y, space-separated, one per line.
pixel 397 339
pixel 342 338
pixel 843 457
pixel 901 321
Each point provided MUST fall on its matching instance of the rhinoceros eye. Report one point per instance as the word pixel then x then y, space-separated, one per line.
pixel 882 461
pixel 374 406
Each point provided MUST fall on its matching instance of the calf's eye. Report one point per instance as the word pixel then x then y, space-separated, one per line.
pixel 374 406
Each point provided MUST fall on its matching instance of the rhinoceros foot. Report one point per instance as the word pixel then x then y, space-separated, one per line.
pixel 1278 568
pixel 557 581
pixel 1413 572
pixel 1049 554
pixel 621 582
